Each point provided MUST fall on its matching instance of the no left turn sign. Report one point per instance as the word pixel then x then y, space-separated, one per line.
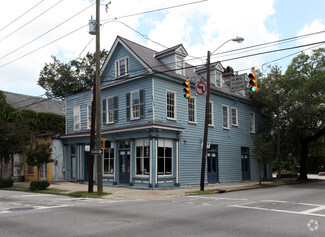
pixel 201 88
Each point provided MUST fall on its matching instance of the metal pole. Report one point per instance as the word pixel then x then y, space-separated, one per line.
pixel 205 137
pixel 98 104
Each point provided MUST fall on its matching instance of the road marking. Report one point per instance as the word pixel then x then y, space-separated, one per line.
pixel 50 207
pixel 218 198
pixel 33 195
pixel 314 210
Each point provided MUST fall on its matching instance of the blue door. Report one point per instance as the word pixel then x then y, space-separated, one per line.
pixel 124 166
pixel 245 164
pixel 212 164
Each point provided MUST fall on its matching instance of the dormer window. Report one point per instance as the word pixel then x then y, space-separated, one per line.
pixel 121 67
pixel 180 65
pixel 218 79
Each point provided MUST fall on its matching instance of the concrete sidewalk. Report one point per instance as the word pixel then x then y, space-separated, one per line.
pixel 119 192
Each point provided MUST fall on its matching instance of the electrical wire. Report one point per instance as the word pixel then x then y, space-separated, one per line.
pixel 31 20
pixel 46 32
pixel 21 15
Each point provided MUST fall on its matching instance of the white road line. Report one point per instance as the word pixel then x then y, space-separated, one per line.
pixel 50 207
pixel 314 210
pixel 218 198
pixel 33 195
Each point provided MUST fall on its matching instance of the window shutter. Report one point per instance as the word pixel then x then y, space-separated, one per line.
pixel 128 106
pixel 104 112
pixel 115 108
pixel 141 103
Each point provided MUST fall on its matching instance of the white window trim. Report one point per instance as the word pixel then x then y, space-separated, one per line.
pixel 252 129
pixel 106 119
pixel 218 77
pixel 212 114
pixel 88 115
pixel 145 142
pixel 114 158
pixel 195 117
pixel 75 110
pixel 180 71
pixel 175 108
pixel 227 117
pixel 117 72
pixel 131 105
pixel 232 121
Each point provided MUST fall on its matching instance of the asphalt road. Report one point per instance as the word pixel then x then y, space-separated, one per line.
pixel 295 210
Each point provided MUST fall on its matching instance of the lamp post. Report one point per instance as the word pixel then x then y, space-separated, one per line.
pixel 207 103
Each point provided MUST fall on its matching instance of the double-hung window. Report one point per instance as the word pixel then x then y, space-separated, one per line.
pixel 191 110
pixel 251 122
pixel 76 119
pixel 171 105
pixel 225 117
pixel 218 79
pixel 234 116
pixel 142 157
pixel 110 110
pixel 135 104
pixel 180 65
pixel 165 157
pixel 121 67
pixel 210 118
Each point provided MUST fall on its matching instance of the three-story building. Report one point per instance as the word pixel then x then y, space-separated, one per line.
pixel 156 134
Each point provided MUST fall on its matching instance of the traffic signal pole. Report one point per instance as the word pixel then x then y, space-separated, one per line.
pixel 206 121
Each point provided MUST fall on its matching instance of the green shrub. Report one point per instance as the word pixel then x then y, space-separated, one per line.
pixel 5 183
pixel 38 185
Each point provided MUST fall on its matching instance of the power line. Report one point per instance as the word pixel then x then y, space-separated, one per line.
pixel 31 20
pixel 21 15
pixel 46 32
pixel 42 46
pixel 151 11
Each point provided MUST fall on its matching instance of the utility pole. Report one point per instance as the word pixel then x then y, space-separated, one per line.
pixel 92 143
pixel 98 105
pixel 206 121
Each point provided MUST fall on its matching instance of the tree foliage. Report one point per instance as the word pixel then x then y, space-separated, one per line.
pixel 294 105
pixel 38 155
pixel 63 79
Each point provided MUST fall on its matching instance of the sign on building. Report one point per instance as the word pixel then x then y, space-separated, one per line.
pixel 237 83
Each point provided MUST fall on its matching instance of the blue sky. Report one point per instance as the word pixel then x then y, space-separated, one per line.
pixel 199 27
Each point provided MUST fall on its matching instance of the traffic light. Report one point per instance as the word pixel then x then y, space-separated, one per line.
pixel 253 81
pixel 187 89
pixel 105 144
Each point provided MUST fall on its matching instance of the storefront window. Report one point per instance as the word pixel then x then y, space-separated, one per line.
pixel 165 157
pixel 142 157
pixel 109 161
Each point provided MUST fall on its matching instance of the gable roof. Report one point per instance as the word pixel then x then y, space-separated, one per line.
pixel 37 104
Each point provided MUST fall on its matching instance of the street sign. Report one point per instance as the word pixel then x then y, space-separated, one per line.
pixel 200 88
pixel 96 151
pixel 237 83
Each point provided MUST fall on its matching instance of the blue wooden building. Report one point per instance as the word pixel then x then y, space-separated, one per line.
pixel 156 134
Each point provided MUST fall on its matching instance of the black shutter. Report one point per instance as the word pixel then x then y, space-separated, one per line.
pixel 115 109
pixel 128 106
pixel 141 103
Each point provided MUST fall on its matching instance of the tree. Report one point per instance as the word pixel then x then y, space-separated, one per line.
pixel 295 104
pixel 305 103
pixel 39 155
pixel 63 79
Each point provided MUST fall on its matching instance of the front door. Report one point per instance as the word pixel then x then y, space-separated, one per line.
pixel 245 166
pixel 212 163
pixel 124 166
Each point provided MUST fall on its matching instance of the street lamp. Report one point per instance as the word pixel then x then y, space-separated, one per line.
pixel 205 137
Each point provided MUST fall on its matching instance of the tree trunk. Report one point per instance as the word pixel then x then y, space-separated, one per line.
pixel 38 173
pixel 303 160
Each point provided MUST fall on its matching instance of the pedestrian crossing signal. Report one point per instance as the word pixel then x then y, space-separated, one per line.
pixel 187 89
